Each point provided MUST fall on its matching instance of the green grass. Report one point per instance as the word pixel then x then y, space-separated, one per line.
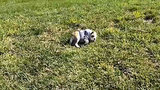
pixel 34 53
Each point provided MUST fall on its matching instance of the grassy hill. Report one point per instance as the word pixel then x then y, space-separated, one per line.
pixel 34 53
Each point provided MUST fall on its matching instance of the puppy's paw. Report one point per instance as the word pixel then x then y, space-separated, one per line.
pixel 86 41
pixel 77 46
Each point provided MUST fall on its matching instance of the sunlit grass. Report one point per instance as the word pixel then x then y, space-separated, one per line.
pixel 35 54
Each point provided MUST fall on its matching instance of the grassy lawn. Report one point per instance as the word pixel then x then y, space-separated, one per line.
pixel 35 54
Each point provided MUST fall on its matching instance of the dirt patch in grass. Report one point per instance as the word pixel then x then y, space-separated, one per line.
pixel 123 68
pixel 150 16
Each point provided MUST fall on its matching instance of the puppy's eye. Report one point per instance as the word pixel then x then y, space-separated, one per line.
pixel 92 36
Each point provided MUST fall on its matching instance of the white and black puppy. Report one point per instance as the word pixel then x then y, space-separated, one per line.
pixel 83 37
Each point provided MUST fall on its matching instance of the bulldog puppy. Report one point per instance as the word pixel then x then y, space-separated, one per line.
pixel 83 37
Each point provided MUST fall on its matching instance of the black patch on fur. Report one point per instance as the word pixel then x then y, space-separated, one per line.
pixel 74 41
pixel 81 42
pixel 85 33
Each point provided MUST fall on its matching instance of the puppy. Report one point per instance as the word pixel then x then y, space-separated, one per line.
pixel 83 37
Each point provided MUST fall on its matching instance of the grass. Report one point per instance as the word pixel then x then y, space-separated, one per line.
pixel 34 53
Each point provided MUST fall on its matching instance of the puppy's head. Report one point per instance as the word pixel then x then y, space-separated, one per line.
pixel 93 36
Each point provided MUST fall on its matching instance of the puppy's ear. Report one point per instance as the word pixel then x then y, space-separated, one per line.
pixel 92 32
